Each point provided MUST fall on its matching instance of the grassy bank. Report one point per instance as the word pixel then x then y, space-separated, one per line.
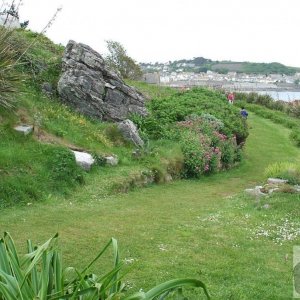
pixel 206 229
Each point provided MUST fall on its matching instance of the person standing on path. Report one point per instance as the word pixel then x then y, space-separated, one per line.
pixel 230 98
pixel 244 113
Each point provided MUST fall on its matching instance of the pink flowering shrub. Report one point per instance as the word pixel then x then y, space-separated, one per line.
pixel 205 149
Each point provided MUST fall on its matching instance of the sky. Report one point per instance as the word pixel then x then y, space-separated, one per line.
pixel 164 30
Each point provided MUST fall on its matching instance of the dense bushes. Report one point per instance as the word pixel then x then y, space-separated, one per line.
pixel 209 130
pixel 166 111
pixel 198 101
pixel 205 149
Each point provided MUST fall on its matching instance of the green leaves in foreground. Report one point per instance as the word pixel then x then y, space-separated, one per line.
pixel 39 274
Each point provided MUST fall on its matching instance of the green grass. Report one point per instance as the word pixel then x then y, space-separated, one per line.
pixel 28 164
pixel 205 229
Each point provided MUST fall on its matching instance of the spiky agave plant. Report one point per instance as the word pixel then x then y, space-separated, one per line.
pixel 9 78
pixel 40 275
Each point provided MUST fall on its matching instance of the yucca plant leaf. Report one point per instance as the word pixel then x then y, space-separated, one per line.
pixel 98 256
pixel 34 273
pixel 84 292
pixel 110 280
pixel 168 286
pixel 11 246
pixel 36 255
pixel 6 292
pixel 26 289
pixel 4 261
pixel 12 284
pixel 114 287
pixel 44 275
pixel 175 283
pixel 58 273
pixel 136 296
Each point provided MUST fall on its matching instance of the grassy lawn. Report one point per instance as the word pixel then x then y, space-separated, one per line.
pixel 207 229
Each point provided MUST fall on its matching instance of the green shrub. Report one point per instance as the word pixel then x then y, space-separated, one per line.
pixel 193 152
pixel 295 136
pixel 62 167
pixel 178 107
pixel 228 154
pixel 40 274
pixel 206 150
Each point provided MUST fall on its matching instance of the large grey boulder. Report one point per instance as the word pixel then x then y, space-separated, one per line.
pixel 92 89
pixel 130 133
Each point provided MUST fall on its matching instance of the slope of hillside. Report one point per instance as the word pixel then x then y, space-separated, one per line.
pixel 41 165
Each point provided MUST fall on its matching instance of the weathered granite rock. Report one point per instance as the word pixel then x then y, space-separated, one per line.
pixel 130 133
pixel 83 159
pixel 92 89
pixel 25 129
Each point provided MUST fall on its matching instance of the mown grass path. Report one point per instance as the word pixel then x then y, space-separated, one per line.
pixel 204 229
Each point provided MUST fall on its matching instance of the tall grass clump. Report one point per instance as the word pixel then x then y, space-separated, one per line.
pixel 40 274
pixel 9 78
pixel 284 170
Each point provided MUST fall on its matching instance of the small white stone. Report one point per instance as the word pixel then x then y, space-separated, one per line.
pixel 83 159
pixel 25 129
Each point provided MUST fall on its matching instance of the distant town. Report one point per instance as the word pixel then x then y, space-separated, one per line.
pixel 186 74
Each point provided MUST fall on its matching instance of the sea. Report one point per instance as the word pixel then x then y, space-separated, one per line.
pixel 282 95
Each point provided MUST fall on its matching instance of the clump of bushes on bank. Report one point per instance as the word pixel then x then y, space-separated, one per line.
pixel 205 149
pixel 210 131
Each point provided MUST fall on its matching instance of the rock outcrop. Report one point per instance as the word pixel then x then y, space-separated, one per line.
pixel 130 133
pixel 92 89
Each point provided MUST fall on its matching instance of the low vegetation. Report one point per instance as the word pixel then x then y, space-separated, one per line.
pixel 280 112
pixel 40 275
pixel 177 124
pixel 207 228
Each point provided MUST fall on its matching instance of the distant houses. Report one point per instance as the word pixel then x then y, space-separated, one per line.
pixel 231 80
